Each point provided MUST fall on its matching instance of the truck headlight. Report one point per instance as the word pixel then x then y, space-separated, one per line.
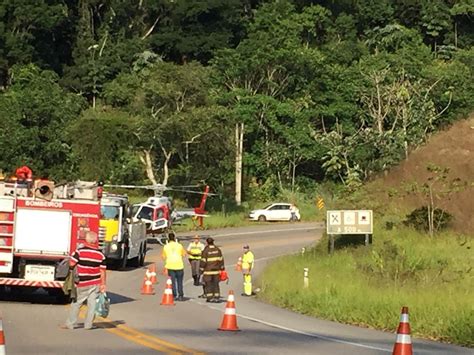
pixel 115 238
pixel 114 247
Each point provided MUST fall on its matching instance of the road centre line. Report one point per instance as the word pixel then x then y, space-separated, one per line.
pixel 147 340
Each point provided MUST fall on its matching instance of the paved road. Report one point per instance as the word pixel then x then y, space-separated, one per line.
pixel 139 325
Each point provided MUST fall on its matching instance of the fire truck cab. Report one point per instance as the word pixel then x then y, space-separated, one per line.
pixel 41 225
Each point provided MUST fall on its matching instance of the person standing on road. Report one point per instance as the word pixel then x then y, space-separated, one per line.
pixel 293 213
pixel 248 260
pixel 173 254
pixel 194 250
pixel 91 271
pixel 212 262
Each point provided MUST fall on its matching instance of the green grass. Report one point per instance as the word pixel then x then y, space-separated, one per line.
pixel 368 286
pixel 216 221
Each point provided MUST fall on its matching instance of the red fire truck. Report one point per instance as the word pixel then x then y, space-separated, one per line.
pixel 40 226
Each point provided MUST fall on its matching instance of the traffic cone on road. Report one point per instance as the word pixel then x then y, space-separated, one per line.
pixel 238 266
pixel 151 273
pixel 147 286
pixel 3 351
pixel 229 322
pixel 403 343
pixel 168 299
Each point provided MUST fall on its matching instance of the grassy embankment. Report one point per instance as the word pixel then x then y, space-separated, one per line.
pixel 367 286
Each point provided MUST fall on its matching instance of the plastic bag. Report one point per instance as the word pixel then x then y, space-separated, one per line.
pixel 102 306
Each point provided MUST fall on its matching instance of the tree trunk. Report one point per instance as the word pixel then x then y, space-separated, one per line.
pixel 165 165
pixel 239 146
pixel 455 34
pixel 147 161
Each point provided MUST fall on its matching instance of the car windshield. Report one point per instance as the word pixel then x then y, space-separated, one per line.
pixel 109 212
pixel 267 206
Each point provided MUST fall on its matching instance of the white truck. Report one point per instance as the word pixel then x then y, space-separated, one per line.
pixel 122 238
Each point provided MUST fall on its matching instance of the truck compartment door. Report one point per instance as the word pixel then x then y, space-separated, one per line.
pixel 7 218
pixel 42 231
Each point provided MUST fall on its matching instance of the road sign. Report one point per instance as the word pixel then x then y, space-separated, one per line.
pixel 349 222
pixel 320 203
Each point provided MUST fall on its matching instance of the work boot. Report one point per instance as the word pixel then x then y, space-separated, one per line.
pixel 196 280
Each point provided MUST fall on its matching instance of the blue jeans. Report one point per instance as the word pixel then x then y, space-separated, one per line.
pixel 177 280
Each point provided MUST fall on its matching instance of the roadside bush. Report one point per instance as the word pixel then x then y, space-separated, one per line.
pixel 418 219
pixel 391 262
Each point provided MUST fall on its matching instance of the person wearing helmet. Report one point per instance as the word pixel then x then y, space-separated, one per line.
pixel 194 251
pixel 212 262
pixel 247 267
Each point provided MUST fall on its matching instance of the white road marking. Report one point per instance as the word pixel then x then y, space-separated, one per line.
pixel 292 330
pixel 268 231
pixel 273 325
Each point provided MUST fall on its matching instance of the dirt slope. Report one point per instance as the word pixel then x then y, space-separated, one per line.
pixel 453 149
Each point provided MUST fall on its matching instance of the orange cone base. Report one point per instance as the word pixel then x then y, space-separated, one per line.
pixel 148 291
pixel 147 288
pixel 225 329
pixel 229 323
pixel 167 301
pixel 402 349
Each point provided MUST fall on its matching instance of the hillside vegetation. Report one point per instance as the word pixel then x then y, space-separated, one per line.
pixel 140 92
pixel 452 149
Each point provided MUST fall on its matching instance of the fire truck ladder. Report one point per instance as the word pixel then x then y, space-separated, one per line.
pixel 7 220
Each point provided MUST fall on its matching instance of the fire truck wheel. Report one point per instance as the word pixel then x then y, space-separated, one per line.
pixel 139 260
pixel 143 254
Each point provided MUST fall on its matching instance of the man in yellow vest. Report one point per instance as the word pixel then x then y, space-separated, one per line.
pixel 194 250
pixel 173 254
pixel 247 267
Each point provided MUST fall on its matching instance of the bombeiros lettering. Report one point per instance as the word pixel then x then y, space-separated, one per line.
pixel 35 203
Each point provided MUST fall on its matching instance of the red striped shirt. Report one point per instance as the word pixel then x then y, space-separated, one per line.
pixel 89 261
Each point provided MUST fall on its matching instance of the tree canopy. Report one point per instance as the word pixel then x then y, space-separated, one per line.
pixel 151 90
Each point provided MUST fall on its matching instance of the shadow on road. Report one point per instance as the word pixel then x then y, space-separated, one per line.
pixel 42 296
pixel 115 298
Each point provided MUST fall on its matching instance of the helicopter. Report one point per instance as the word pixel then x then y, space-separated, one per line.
pixel 158 211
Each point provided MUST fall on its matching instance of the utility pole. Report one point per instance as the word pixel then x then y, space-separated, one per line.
pixel 239 145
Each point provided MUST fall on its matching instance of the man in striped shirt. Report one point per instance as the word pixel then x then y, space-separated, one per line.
pixel 91 271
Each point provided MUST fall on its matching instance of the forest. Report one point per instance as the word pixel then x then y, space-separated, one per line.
pixel 158 91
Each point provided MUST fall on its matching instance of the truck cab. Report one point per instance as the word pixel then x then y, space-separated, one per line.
pixel 121 239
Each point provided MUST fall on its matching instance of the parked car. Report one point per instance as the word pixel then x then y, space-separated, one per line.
pixel 275 212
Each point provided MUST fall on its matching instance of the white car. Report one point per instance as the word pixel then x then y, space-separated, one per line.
pixel 275 212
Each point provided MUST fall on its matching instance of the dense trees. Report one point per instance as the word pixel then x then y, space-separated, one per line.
pixel 151 90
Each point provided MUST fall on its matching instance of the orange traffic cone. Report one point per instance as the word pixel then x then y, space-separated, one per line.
pixel 238 266
pixel 2 339
pixel 403 343
pixel 147 286
pixel 151 273
pixel 229 322
pixel 168 299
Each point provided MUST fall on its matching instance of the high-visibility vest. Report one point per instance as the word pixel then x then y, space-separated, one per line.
pixel 173 253
pixel 195 250
pixel 247 260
